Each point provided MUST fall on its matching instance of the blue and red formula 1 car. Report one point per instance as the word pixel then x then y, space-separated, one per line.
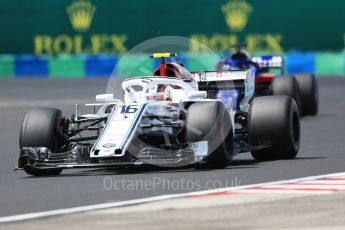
pixel 270 78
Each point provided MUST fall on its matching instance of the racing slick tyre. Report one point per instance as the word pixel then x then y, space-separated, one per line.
pixel 309 93
pixel 42 128
pixel 287 85
pixel 210 121
pixel 274 122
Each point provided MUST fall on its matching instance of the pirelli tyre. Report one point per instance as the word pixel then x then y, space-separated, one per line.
pixel 42 128
pixel 274 123
pixel 211 122
pixel 287 85
pixel 309 93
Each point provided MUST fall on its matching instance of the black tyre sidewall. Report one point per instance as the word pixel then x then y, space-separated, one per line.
pixel 40 129
pixel 222 156
pixel 309 93
pixel 278 125
pixel 214 123
pixel 288 85
pixel 42 172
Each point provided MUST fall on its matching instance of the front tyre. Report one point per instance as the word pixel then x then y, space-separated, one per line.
pixel 211 122
pixel 274 121
pixel 42 127
pixel 42 172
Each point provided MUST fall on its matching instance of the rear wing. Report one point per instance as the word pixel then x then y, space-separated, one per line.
pixel 240 80
pixel 235 88
pixel 270 62
pixel 207 76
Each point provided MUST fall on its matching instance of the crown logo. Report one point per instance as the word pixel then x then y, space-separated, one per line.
pixel 236 14
pixel 81 14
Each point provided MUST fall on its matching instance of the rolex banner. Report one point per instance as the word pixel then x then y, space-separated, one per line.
pixel 109 26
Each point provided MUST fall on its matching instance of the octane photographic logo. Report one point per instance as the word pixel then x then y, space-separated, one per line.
pixel 137 63
pixel 237 13
pixel 155 183
pixel 81 14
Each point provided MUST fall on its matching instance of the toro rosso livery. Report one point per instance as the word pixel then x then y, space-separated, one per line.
pixel 269 72
pixel 173 118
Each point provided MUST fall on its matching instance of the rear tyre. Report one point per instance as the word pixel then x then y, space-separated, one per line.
pixel 274 121
pixel 309 93
pixel 287 85
pixel 210 121
pixel 42 127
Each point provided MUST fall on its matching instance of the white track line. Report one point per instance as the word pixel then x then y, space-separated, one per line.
pixel 51 213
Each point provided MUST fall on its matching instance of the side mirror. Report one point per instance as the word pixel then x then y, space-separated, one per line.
pixel 105 98
pixel 197 94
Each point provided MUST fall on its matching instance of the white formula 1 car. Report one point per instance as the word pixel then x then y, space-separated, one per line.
pixel 173 118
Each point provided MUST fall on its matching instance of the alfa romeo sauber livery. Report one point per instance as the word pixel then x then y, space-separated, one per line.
pixel 172 118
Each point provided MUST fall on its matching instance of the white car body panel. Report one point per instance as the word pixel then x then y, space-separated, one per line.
pixel 121 126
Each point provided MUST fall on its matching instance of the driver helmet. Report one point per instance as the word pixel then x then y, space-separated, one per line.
pixel 241 55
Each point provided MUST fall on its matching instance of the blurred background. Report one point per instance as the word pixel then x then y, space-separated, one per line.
pixel 87 38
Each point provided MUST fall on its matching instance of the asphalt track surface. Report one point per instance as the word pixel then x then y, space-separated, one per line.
pixel 322 151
